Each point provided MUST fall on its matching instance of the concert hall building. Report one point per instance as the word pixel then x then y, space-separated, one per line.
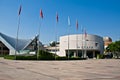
pixel 77 45
pixel 81 45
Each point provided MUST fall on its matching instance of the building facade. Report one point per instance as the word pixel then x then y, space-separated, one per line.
pixel 81 45
pixel 8 45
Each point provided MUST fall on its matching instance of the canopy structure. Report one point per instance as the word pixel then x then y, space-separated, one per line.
pixel 8 44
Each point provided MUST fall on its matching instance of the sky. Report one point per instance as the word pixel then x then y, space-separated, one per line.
pixel 98 17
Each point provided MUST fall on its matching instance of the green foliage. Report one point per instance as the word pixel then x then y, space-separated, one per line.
pixel 11 57
pixel 72 58
pixel 115 48
pixel 77 58
pixel 53 44
pixel 1 56
pixel 23 57
pixel 61 58
pixel 100 56
pixel 43 55
pixel 20 57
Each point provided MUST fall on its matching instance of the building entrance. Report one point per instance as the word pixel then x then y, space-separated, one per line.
pixel 80 53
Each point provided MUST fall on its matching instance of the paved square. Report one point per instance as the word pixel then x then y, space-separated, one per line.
pixel 106 69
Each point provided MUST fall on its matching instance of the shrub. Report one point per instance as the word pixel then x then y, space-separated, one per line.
pixel 1 56
pixel 28 57
pixel 72 58
pixel 61 58
pixel 77 58
pixel 11 57
pixel 43 55
pixel 100 56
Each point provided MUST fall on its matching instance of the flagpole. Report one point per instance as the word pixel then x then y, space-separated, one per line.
pixel 38 40
pixel 68 35
pixel 77 44
pixel 16 43
pixel 82 41
pixel 55 41
pixel 41 16
pixel 77 38
pixel 56 35
pixel 68 43
pixel 85 43
pixel 85 48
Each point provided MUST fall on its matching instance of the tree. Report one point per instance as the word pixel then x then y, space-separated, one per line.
pixel 53 43
pixel 114 48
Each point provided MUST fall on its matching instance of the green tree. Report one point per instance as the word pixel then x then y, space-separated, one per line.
pixel 114 48
pixel 53 43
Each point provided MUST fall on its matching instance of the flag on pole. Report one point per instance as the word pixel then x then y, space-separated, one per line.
pixel 77 24
pixel 41 14
pixel 57 17
pixel 20 10
pixel 68 21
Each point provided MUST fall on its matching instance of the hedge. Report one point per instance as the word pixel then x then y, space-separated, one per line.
pixel 11 57
pixel 43 55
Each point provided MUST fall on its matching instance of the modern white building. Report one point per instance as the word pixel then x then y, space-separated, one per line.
pixel 81 45
pixel 8 45
pixel 77 45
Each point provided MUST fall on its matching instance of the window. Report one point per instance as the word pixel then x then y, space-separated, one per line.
pixel 96 44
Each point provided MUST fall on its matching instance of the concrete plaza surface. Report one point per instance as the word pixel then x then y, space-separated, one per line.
pixel 106 69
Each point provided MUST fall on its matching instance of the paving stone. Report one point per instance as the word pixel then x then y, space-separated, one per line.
pixel 92 69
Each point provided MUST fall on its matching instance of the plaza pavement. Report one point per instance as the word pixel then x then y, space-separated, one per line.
pixel 92 69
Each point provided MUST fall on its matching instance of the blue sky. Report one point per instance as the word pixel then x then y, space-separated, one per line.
pixel 100 17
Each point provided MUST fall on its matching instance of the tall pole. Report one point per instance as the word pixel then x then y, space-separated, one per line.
pixel 85 44
pixel 68 42
pixel 55 41
pixel 85 49
pixel 68 35
pixel 38 41
pixel 41 16
pixel 82 42
pixel 56 35
pixel 16 43
pixel 77 44
pixel 77 38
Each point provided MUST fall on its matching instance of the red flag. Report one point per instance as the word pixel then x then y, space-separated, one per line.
pixel 57 17
pixel 77 24
pixel 41 13
pixel 20 10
